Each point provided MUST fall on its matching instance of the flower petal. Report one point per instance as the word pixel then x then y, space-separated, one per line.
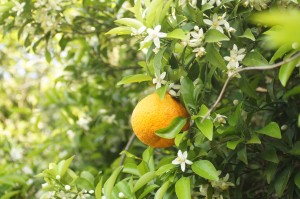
pixel 188 162
pixel 182 165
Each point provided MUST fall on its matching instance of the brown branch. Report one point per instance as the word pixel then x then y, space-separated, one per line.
pixel 129 143
pixel 266 67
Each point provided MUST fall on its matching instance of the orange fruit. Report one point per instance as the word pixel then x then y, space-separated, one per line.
pixel 152 114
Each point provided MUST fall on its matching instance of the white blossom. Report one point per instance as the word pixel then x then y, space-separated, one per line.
pixel 155 35
pixel 236 56
pixel 182 160
pixel 83 122
pixel 216 23
pixel 19 7
pixel 197 36
pixel 199 51
pixel 67 187
pixel 174 90
pixel 211 2
pixel 121 195
pixel 16 153
pixel 159 80
pixel 57 177
pixel 220 119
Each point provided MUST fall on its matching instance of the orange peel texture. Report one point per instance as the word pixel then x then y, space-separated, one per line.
pixel 152 114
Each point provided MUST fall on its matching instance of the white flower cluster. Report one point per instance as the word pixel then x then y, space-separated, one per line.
pixel 218 187
pixel 173 89
pixel 196 41
pixel 219 23
pixel 236 56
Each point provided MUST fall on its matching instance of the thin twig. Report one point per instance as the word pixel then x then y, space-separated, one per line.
pixel 266 67
pixel 129 143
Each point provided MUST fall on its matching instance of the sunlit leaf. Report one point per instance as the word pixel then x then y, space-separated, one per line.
pixel 272 130
pixel 134 78
pixel 173 129
pixel 205 169
pixel 183 188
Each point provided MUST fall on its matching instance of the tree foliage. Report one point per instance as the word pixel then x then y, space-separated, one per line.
pixel 71 73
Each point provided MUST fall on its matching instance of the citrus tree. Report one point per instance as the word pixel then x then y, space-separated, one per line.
pixel 209 88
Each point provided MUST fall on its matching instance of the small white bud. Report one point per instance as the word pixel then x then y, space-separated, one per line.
pixel 235 102
pixel 284 127
pixel 67 187
pixel 295 45
pixel 91 191
pixel 57 177
pixel 121 195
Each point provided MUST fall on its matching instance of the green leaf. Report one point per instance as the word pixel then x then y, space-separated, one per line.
pixel 143 180
pixel 183 188
pixel 9 194
pixel 214 57
pixel 131 168
pixel 297 180
pixel 64 165
pixel 147 190
pixel 282 180
pixel 248 34
pixel 88 176
pixel 110 182
pixel 286 70
pixel 130 22
pixel 153 12
pixel 164 169
pixel 134 78
pixel 214 35
pixel 280 52
pixel 269 154
pixel 242 155
pixel 291 92
pixel 157 60
pixel 179 137
pixel 98 190
pixel 177 34
pixel 270 171
pixel 137 9
pixel 272 130
pixel 205 169
pixel 161 92
pixel 296 149
pixel 254 58
pixel 233 144
pixel 299 120
pixel 48 55
pixel 187 91
pixel 173 129
pixel 121 30
pixel 207 126
pixel 254 140
pixel 162 190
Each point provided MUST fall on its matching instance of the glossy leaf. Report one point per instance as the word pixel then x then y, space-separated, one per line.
pixel 205 169
pixel 177 34
pixel 207 126
pixel 98 190
pixel 214 57
pixel 134 78
pixel 233 144
pixel 280 52
pixel 187 92
pixel 214 35
pixel 121 30
pixel 148 190
pixel 129 22
pixel 164 169
pixel 110 182
pixel 162 190
pixel 173 129
pixel 248 34
pixel 183 188
pixel 297 180
pixel 272 130
pixel 254 58
pixel 286 70
pixel 143 180
pixel 64 165
pixel 281 181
